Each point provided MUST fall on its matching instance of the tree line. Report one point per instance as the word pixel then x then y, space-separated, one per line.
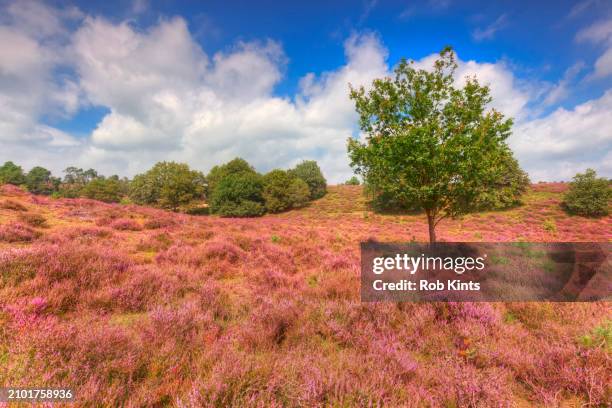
pixel 234 189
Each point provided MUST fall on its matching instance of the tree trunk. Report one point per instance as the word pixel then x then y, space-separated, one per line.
pixel 432 228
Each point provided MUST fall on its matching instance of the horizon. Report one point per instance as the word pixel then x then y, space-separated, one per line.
pixel 92 84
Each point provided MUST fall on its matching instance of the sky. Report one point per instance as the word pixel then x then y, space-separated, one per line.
pixel 118 86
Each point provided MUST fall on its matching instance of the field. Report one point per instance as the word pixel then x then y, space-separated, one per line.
pixel 132 306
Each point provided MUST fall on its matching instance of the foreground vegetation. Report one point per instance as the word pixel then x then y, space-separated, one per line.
pixel 135 306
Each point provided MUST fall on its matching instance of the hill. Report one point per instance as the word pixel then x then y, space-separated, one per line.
pixel 136 306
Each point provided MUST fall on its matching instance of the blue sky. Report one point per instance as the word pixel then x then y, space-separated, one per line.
pixel 120 85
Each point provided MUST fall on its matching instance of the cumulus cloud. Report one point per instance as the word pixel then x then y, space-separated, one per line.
pixel 565 142
pixel 167 99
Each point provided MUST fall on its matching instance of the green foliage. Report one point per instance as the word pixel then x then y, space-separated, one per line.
pixel 39 181
pixel 601 336
pixel 299 193
pixel 588 195
pixel 75 181
pixel 428 142
pixel 283 191
pixel 310 172
pixel 238 195
pixel 10 173
pixel 353 181
pixel 108 190
pixel 168 185
pixel 234 166
pixel 506 190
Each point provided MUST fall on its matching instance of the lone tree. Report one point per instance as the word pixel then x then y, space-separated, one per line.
pixel 428 141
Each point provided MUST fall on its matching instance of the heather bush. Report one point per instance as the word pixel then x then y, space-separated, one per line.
pixel 126 224
pixel 309 172
pixel 588 195
pixel 33 220
pixel 17 232
pixel 156 223
pixel 238 195
pixel 13 205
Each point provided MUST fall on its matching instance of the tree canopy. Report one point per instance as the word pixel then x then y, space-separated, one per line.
pixel 168 185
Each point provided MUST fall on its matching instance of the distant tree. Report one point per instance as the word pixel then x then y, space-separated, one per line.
pixel 75 180
pixel 429 142
pixel 283 191
pixel 10 173
pixel 238 195
pixel 39 181
pixel 353 181
pixel 108 190
pixel 217 173
pixel 310 172
pixel 168 185
pixel 588 195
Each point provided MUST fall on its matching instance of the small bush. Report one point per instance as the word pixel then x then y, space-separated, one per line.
pixel 33 220
pixel 588 195
pixel 13 205
pixel 15 232
pixel 238 195
pixel 124 224
pixel 353 181
pixel 197 211
pixel 310 172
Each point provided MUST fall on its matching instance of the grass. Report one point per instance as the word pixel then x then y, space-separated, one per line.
pixel 133 306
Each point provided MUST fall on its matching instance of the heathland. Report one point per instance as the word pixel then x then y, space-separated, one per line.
pixel 135 306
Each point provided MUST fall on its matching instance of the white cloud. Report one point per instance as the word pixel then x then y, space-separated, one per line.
pixel 559 145
pixel 600 32
pixel 168 99
pixel 489 31
pixel 31 37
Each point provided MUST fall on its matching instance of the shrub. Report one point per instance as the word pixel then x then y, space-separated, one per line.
pixel 33 220
pixel 218 173
pixel 282 191
pixel 125 224
pixel 238 195
pixel 299 193
pixel 13 205
pixel 353 181
pixel 310 172
pixel 588 195
pixel 16 232
pixel 168 185
pixel 103 189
